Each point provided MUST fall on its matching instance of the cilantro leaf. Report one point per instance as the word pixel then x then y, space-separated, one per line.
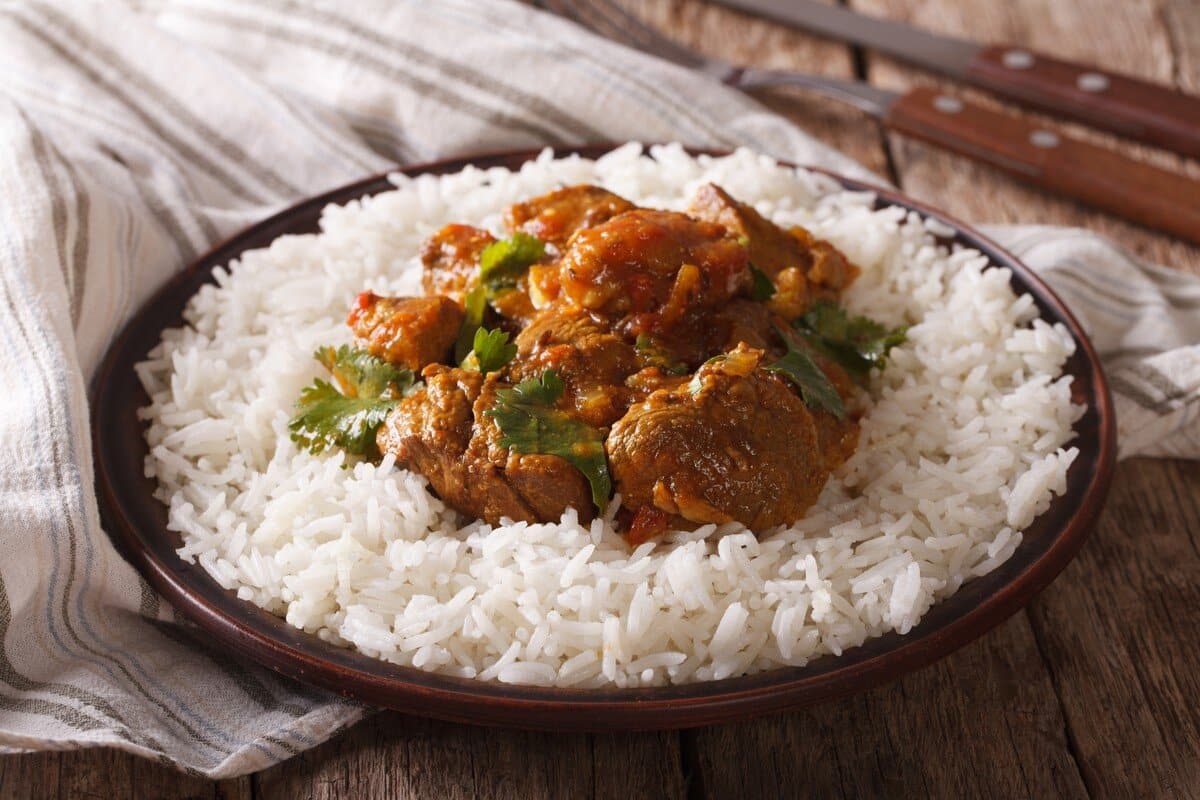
pixel 475 304
pixel 492 350
pixel 815 387
pixel 502 262
pixel 531 424
pixel 650 350
pixel 329 418
pixel 543 391
pixel 358 373
pixel 761 289
pixel 348 412
pixel 856 343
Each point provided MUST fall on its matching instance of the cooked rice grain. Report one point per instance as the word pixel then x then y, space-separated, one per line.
pixel 963 447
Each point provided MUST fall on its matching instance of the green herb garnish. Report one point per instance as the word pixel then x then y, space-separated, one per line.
pixel 856 343
pixel 654 355
pixel 491 350
pixel 475 304
pixel 761 289
pixel 348 412
pixel 799 367
pixel 502 262
pixel 530 424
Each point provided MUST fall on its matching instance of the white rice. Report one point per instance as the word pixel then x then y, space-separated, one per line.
pixel 963 447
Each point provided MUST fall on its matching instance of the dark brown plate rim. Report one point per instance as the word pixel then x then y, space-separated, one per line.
pixel 136 522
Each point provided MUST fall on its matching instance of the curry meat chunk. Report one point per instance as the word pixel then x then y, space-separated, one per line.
pixel 539 487
pixel 429 431
pixel 801 267
pixel 735 444
pixel 406 331
pixel 442 432
pixel 591 360
pixel 647 318
pixel 652 269
pixel 744 321
pixel 555 217
pixel 451 260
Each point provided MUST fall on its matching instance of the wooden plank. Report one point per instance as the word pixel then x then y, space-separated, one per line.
pixel 1124 35
pixel 1182 21
pixel 1119 631
pixel 983 723
pixel 107 774
pixel 95 774
pixel 151 779
pixel 893 740
pixel 392 755
pixel 742 39
pixel 29 775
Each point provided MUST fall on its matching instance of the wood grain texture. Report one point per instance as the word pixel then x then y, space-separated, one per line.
pixel 105 774
pixel 1118 632
pixel 742 39
pixel 1121 35
pixel 394 756
pixel 1092 692
pixel 1093 174
pixel 1137 109
pixel 992 705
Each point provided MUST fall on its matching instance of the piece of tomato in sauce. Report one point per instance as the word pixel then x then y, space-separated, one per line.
pixel 646 523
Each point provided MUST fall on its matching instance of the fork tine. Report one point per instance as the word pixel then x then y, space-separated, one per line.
pixel 613 22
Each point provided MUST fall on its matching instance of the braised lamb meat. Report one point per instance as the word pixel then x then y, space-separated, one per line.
pixel 556 216
pixel 801 267
pixel 592 361
pixel 621 348
pixel 646 270
pixel 734 445
pixel 441 432
pixel 451 260
pixel 407 331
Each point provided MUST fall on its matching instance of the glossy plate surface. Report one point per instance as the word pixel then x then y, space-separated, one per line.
pixel 137 524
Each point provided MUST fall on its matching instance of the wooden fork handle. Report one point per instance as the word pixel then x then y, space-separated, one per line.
pixel 1137 109
pixel 1094 175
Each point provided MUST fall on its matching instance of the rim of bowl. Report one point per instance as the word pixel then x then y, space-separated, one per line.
pixel 978 606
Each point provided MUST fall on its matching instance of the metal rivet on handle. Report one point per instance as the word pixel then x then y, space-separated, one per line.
pixel 1018 59
pixel 1092 82
pixel 1044 139
pixel 947 104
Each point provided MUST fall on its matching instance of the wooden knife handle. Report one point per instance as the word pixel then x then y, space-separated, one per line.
pixel 1050 159
pixel 1129 107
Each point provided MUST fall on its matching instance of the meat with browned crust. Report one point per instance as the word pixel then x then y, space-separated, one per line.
pixel 626 305
pixel 734 445
pixel 441 432
pixel 407 331
pixel 556 216
pixel 801 267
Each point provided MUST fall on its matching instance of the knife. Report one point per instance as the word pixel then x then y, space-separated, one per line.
pixel 1168 201
pixel 1095 175
pixel 1127 106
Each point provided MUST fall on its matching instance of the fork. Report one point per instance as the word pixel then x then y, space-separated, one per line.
pixel 1045 157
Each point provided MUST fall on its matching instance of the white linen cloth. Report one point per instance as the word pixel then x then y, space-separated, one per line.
pixel 132 137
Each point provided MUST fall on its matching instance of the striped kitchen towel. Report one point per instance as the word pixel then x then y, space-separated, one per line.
pixel 134 136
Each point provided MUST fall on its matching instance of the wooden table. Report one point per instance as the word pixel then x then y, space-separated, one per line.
pixel 1093 690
